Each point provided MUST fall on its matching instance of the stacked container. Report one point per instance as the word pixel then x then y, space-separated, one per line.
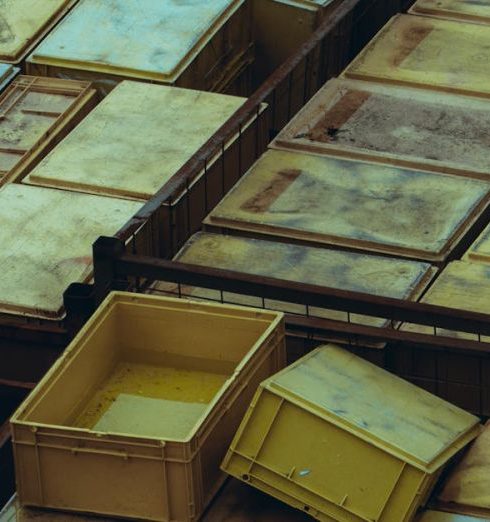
pixel 199 45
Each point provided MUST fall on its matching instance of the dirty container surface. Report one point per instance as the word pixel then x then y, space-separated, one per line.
pixel 466 489
pixel 136 416
pixel 376 275
pixel 427 52
pixel 323 200
pixel 414 128
pixel 463 286
pixel 36 114
pixel 49 234
pixel 135 140
pixel 466 10
pixel 136 38
pixel 479 251
pixel 383 441
pixel 7 74
pixel 443 516
pixel 25 22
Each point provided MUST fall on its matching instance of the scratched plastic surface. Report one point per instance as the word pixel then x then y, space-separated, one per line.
pixel 461 285
pixel 382 440
pixel 49 234
pixel 427 52
pixel 395 125
pixel 22 22
pixel 145 37
pixel 370 207
pixel 376 275
pixel 147 131
pixel 470 10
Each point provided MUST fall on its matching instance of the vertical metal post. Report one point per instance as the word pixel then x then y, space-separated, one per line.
pixel 106 250
pixel 79 304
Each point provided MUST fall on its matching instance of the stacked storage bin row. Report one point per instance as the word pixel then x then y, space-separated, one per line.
pixel 153 454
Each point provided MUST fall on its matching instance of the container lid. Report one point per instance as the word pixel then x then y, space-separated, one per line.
pixel 470 10
pixel 47 236
pixel 389 277
pixel 442 516
pixel 469 483
pixel 427 52
pixel 463 286
pixel 379 407
pixel 361 205
pixel 140 38
pixel 412 127
pixel 135 140
pixel 480 249
pixel 6 70
pixel 24 21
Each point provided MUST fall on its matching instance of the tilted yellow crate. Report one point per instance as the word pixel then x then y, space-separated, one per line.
pixel 343 440
pixel 135 417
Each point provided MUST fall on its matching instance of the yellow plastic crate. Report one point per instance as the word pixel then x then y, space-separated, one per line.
pixel 377 275
pixel 186 43
pixel 322 200
pixel 479 251
pixel 402 126
pixel 37 113
pixel 427 52
pixel 443 516
pixel 135 417
pixel 466 490
pixel 25 23
pixel 343 440
pixel 466 10
pixel 47 236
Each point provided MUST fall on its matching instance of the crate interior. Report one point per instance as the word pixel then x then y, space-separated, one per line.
pixel 147 371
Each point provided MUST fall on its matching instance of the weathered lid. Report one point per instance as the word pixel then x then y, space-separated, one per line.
pixel 47 237
pixel 463 286
pixel 325 200
pixel 379 407
pixel 480 250
pixel 405 126
pixel 24 21
pixel 469 483
pixel 6 70
pixel 471 10
pixel 135 140
pixel 427 52
pixel 141 38
pixel 377 275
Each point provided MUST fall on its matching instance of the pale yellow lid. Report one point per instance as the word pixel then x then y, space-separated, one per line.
pixel 134 140
pixel 427 52
pixel 23 21
pixel 47 237
pixel 471 10
pixel 324 200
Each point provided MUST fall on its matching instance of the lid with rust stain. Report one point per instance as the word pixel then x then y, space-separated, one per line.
pixel 427 52
pixel 322 200
pixel 403 126
pixel 470 10
pixel 47 238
